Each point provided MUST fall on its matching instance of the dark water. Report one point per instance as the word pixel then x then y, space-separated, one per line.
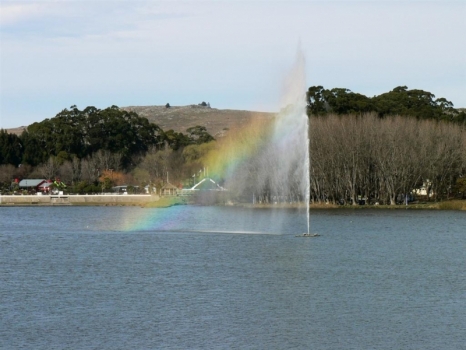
pixel 185 278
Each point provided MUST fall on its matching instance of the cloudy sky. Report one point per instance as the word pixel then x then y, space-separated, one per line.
pixel 233 54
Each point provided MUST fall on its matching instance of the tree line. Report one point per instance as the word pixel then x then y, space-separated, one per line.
pixel 378 149
pixel 383 160
pixel 353 159
pixel 81 145
pixel 381 148
pixel 399 101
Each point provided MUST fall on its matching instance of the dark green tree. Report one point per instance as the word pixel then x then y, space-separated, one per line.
pixel 175 140
pixel 344 101
pixel 73 132
pixel 11 148
pixel 198 134
pixel 400 101
pixel 417 103
pixel 316 104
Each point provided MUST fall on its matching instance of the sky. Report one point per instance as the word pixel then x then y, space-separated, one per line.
pixel 232 54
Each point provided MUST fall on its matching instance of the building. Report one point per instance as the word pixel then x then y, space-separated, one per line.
pixel 169 190
pixel 37 185
pixel 425 190
pixel 206 184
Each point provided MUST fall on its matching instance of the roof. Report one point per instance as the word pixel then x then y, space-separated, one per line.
pixel 169 186
pixel 207 184
pixel 31 182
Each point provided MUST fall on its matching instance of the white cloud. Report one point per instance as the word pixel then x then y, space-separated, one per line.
pixel 13 13
pixel 236 52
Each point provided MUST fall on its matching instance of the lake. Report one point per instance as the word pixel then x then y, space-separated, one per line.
pixel 190 277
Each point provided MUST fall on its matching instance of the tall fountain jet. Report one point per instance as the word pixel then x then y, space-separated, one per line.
pixel 268 161
pixel 277 166
pixel 291 134
pixel 294 120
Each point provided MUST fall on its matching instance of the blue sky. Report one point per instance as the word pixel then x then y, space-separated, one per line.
pixel 233 54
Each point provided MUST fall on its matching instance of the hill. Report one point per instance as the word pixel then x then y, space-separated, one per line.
pixel 179 118
pixel 17 131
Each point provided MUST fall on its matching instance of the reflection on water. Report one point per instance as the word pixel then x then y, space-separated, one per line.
pixel 186 277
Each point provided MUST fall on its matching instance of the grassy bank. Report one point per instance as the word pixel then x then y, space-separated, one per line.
pixel 79 200
pixel 166 202
pixel 452 205
pixel 446 205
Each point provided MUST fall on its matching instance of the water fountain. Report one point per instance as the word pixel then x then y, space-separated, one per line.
pixel 269 164
pixel 293 124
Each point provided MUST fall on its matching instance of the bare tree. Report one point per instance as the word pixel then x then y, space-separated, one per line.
pixel 89 170
pixel 7 173
pixel 70 171
pixel 383 160
pixel 49 169
pixel 106 160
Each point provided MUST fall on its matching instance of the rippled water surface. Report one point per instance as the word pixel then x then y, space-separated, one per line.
pixel 229 278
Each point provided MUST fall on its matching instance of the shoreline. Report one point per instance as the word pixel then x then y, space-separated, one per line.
pixel 76 200
pixel 155 201
pixel 445 205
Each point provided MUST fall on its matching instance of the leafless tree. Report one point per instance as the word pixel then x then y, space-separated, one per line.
pixel 49 170
pixel 89 170
pixel 70 171
pixel 383 160
pixel 106 160
pixel 7 173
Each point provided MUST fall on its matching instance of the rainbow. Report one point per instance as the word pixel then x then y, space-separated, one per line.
pixel 240 146
pixel 269 157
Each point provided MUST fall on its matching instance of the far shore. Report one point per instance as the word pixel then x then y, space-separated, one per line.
pixel 445 205
pixel 155 201
pixel 61 200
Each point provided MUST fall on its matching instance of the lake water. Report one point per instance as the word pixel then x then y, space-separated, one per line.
pixel 229 278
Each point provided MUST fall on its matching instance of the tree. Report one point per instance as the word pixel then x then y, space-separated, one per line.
pixel 70 171
pixel 7 173
pixel 122 132
pixel 399 101
pixel 198 134
pixel 460 187
pixel 34 148
pixel 316 104
pixel 417 103
pixel 116 178
pixel 49 169
pixel 89 170
pixel 383 160
pixel 11 148
pixel 141 176
pixel 82 133
pixel 175 140
pixel 343 101
pixel 104 160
